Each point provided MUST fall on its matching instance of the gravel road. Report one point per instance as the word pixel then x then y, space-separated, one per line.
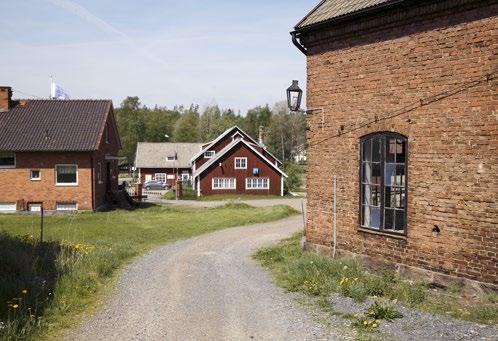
pixel 204 288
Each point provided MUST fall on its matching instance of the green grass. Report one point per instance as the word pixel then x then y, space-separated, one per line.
pixel 318 275
pixel 190 194
pixel 65 275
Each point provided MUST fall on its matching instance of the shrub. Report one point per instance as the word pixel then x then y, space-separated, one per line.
pixel 293 182
pixel 383 311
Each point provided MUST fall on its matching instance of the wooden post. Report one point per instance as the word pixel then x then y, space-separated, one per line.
pixel 138 191
pixel 179 189
pixel 41 223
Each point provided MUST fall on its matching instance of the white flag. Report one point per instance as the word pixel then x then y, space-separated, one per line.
pixel 57 92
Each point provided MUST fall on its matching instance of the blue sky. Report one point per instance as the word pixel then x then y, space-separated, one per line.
pixel 234 53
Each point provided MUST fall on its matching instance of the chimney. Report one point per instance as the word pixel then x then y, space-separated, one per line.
pixel 5 98
pixel 261 138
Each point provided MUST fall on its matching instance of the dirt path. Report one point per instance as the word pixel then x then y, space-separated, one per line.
pixel 204 288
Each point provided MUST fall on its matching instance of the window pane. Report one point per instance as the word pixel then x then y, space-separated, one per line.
pixel 375 197
pixel 389 175
pixel 400 151
pixel 389 197
pixel 376 149
pixel 400 198
pixel 391 150
pixel 365 219
pixel 66 174
pixel 400 220
pixel 367 173
pixel 375 217
pixel 376 173
pixel 400 175
pixel 367 150
pixel 366 195
pixel 388 219
pixel 7 159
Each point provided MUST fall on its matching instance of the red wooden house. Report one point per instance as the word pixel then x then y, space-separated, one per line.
pixel 234 163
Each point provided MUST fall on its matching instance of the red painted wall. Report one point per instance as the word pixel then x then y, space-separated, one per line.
pixel 227 170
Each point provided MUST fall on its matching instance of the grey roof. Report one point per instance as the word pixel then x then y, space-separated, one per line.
pixel 53 125
pixel 331 9
pixel 153 155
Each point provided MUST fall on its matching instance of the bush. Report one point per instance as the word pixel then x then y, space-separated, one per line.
pixel 294 181
pixel 383 311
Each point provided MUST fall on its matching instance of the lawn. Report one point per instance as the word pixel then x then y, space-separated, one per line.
pixel 45 286
pixel 320 276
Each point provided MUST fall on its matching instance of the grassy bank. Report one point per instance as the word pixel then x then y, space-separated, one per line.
pixel 44 286
pixel 316 275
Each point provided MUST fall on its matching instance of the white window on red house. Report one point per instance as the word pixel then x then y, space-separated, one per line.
pixel 66 206
pixel 224 183
pixel 66 175
pixel 209 154
pixel 257 183
pixel 160 177
pixel 7 160
pixel 240 163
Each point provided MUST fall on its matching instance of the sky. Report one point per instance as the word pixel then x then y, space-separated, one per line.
pixel 234 53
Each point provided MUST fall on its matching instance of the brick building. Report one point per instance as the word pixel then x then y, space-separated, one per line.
pixel 59 153
pixel 403 112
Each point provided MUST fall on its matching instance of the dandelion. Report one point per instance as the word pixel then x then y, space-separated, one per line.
pixel 355 315
pixel 365 322
pixel 15 306
pixel 24 291
pixel 377 321
pixel 374 325
pixel 345 267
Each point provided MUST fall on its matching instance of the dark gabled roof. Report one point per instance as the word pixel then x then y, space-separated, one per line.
pixel 53 125
pixel 328 10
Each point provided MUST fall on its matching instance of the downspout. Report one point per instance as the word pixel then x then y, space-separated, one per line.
pixel 93 185
pixel 297 43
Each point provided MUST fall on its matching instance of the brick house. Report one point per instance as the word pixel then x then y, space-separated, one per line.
pixel 165 162
pixel 403 112
pixel 234 163
pixel 59 153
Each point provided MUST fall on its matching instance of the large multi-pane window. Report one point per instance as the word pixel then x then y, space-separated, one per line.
pixel 224 183
pixel 66 175
pixel 383 182
pixel 257 183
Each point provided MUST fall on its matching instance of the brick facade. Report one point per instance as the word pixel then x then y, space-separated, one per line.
pixel 427 72
pixel 16 184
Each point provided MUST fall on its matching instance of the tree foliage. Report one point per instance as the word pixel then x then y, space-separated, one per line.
pixel 284 130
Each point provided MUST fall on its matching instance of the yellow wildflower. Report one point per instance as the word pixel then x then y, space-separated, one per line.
pixel 374 325
pixel 15 306
pixel 24 291
pixel 365 323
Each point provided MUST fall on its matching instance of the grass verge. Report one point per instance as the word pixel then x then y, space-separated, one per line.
pixel 317 275
pixel 44 286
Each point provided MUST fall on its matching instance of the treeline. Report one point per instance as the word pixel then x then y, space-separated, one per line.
pixel 284 130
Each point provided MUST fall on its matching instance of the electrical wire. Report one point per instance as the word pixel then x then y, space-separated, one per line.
pixel 408 108
pixel 26 94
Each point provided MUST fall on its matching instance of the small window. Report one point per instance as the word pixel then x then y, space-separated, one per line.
pixel 171 158
pixel 224 183
pixel 66 175
pixel 160 177
pixel 7 160
pixel 209 154
pixel 35 174
pixel 34 207
pixel 240 163
pixel 383 176
pixel 66 206
pixel 257 183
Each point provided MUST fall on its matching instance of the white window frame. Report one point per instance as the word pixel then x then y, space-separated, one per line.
pixel 31 174
pixel 66 184
pixel 69 206
pixel 209 154
pixel 161 174
pixel 10 166
pixel 240 159
pixel 250 184
pixel 226 183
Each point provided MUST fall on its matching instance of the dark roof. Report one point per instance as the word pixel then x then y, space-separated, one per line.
pixel 53 125
pixel 327 10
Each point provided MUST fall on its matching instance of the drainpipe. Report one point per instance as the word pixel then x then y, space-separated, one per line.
pixel 297 43
pixel 335 218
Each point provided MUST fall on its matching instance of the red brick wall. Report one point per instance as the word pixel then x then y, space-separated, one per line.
pixel 228 170
pixel 15 183
pixel 453 137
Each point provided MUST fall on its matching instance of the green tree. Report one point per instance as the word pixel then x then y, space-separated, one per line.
pixel 187 127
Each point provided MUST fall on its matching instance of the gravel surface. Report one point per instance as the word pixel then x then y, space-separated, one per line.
pixel 415 325
pixel 205 288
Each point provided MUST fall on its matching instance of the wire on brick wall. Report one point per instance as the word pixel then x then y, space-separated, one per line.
pixel 408 108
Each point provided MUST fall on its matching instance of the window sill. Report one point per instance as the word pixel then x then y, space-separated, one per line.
pixel 35 179
pixel 392 235
pixel 7 167
pixel 66 185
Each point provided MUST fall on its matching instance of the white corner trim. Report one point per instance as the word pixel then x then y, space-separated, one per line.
pixel 281 186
